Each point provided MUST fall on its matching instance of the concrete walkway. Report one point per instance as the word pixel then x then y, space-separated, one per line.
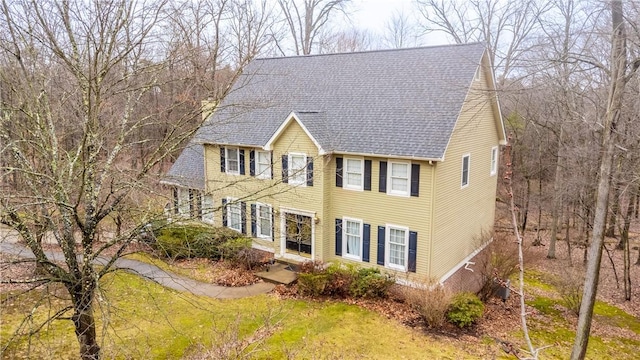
pixel 154 273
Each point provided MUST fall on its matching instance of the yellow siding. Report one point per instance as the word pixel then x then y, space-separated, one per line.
pixel 448 219
pixel 271 192
pixel 377 209
pixel 461 214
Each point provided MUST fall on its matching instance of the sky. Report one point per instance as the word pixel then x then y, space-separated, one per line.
pixel 373 16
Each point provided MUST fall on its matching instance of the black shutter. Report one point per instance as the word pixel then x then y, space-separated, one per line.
pixel 366 242
pixel 285 169
pixel 252 163
pixel 413 244
pixel 254 228
pixel 339 237
pixel 222 160
pixel 224 212
pixel 271 160
pixel 175 201
pixel 243 217
pixel 383 176
pixel 241 162
pixel 367 175
pixel 309 171
pixel 273 231
pixel 338 172
pixel 415 179
pixel 381 245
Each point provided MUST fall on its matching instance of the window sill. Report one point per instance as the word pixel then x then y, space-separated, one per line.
pixel 352 257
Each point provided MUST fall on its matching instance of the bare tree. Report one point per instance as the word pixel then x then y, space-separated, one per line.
pixel 307 19
pixel 619 76
pixel 400 31
pixel 504 25
pixel 86 71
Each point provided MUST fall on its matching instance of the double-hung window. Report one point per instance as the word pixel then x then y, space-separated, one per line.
pixel 297 169
pixel 399 175
pixel 352 235
pixel 465 170
pixel 234 215
pixel 263 164
pixel 397 244
pixel 232 159
pixel 494 160
pixel 263 223
pixel 353 170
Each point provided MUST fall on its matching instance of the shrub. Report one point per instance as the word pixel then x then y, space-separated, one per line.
pixel 311 266
pixel 312 284
pixel 570 289
pixel 190 240
pixel 230 249
pixel 465 309
pixel 339 280
pixel 431 300
pixel 370 283
pixel 499 260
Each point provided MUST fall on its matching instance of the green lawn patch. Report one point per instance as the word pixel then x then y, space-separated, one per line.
pixel 148 321
pixel 615 316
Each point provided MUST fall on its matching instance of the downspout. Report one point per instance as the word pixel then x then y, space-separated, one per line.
pixel 433 200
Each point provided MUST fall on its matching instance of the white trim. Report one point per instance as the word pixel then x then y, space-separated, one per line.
pixel 271 219
pixel 232 202
pixel 291 117
pixel 226 160
pixel 387 248
pixel 462 185
pixel 494 161
pixel 283 235
pixel 265 175
pixel 344 238
pixel 289 169
pixel 345 182
pixel 388 156
pixel 390 190
pixel 463 262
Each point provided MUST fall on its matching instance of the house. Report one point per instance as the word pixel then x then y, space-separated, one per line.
pixel 381 158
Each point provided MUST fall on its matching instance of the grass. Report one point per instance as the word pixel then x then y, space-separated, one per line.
pixel 199 273
pixel 146 320
pixel 551 327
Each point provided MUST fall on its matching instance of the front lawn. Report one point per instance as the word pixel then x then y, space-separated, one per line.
pixel 146 320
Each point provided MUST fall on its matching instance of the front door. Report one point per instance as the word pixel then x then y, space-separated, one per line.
pixel 298 234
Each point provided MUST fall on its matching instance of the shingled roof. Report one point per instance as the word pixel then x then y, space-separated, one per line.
pixel 400 103
pixel 188 170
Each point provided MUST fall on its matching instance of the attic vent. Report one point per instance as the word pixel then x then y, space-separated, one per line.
pixel 308 112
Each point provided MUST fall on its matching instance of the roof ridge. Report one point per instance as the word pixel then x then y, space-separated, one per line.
pixel 368 51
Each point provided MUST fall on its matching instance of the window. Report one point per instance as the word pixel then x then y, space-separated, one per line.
pixel 478 74
pixel 234 215
pixel 207 209
pixel 465 170
pixel 352 235
pixel 263 164
pixel 399 175
pixel 297 169
pixel 233 161
pixel 397 241
pixel 494 160
pixel 353 174
pixel 263 222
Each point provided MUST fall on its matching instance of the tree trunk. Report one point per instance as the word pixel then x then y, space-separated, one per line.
pixel 614 107
pixel 615 208
pixel 566 235
pixel 525 211
pixel 557 198
pixel 83 318
pixel 624 238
